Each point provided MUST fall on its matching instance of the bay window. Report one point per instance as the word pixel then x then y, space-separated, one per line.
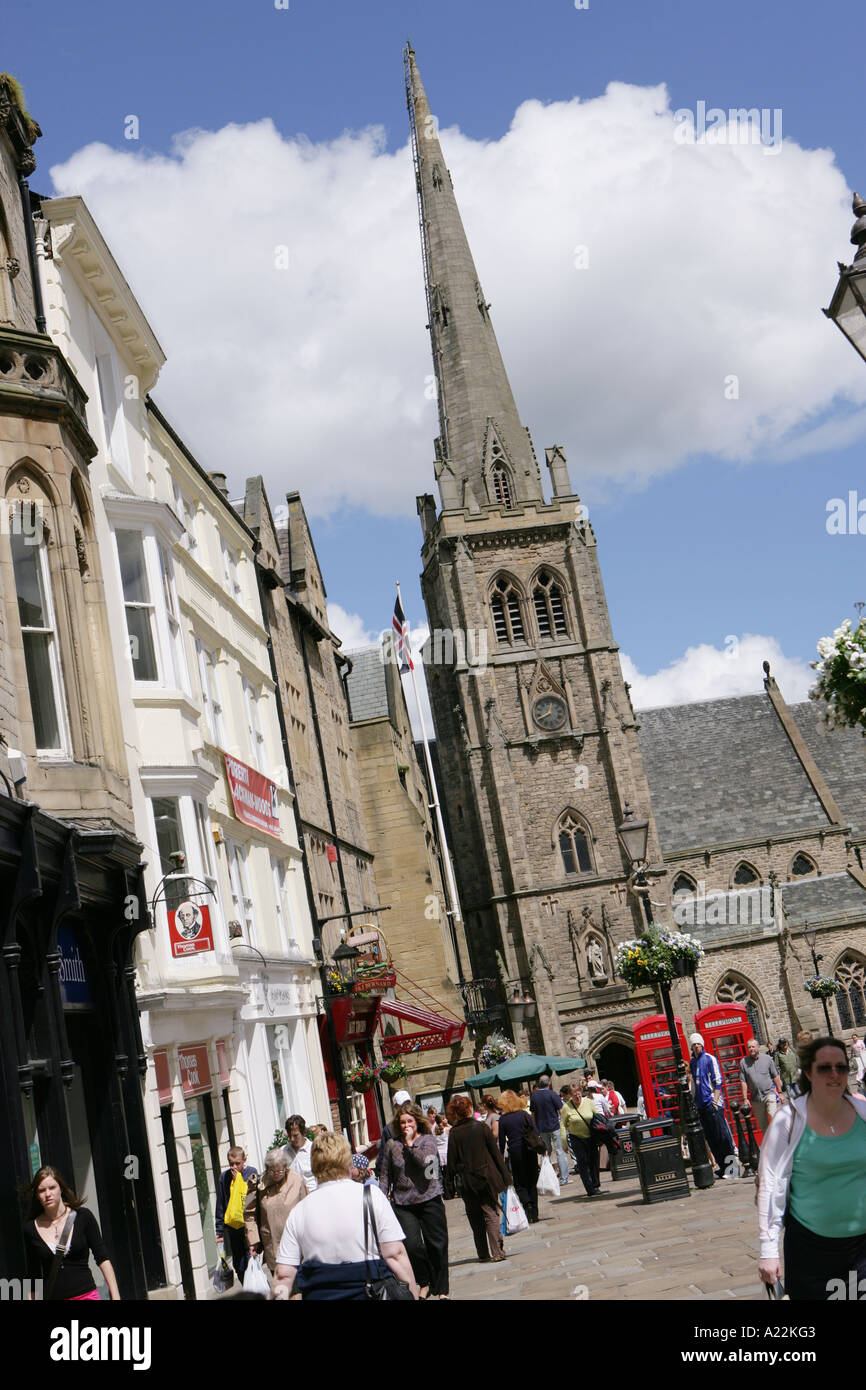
pixel 41 650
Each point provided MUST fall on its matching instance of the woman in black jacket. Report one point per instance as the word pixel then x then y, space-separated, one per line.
pixel 59 1221
pixel 476 1168
pixel 516 1125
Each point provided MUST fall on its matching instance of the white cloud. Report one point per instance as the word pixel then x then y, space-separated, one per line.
pixel 354 634
pixel 350 628
pixel 704 262
pixel 712 673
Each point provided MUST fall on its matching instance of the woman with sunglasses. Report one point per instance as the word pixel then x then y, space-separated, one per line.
pixel 812 1179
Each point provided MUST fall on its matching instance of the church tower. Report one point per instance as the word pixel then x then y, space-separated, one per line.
pixel 536 734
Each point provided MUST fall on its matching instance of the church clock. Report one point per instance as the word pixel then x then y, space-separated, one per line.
pixel 549 712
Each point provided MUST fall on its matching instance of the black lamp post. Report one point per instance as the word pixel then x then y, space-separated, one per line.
pixel 633 834
pixel 812 938
pixel 848 305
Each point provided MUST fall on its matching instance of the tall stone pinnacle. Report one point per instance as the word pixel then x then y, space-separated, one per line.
pixel 480 428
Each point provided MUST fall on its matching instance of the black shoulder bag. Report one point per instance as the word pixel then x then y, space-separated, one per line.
pixel 60 1250
pixel 531 1137
pixel 389 1288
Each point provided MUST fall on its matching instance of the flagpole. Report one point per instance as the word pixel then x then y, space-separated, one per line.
pixel 452 907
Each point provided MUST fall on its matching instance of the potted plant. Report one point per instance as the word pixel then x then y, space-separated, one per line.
pixel 658 957
pixel 392 1069
pixel 842 676
pixel 336 983
pixel 497 1049
pixel 822 986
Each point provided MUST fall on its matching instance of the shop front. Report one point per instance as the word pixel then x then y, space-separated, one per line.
pixel 71 1053
pixel 354 1020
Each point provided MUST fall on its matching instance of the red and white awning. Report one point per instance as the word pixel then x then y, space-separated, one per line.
pixel 438 1031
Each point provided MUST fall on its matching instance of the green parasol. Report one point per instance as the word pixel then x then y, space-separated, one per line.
pixel 528 1066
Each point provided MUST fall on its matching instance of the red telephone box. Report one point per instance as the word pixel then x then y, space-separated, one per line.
pixel 657 1065
pixel 725 1029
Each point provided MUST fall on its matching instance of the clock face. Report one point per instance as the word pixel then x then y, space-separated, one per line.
pixel 549 712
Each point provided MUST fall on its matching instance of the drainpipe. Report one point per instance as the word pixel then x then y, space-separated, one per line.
pixel 24 188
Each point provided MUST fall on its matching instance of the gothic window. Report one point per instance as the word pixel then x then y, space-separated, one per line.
pixel 573 845
pixel 507 614
pixel 30 566
pixel 803 866
pixel 851 1000
pixel 502 488
pixel 733 990
pixel 745 874
pixel 549 608
pixel 683 883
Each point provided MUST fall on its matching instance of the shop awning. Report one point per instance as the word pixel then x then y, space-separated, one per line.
pixel 438 1031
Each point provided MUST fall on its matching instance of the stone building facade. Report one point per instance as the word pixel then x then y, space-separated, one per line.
pixel 542 752
pixel 423 945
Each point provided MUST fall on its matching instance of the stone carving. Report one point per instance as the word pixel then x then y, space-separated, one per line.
pixel 26 164
pixel 13 266
pixel 595 959
pixel 436 176
pixel 577 1041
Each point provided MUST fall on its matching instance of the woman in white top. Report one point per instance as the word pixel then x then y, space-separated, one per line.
pixel 323 1239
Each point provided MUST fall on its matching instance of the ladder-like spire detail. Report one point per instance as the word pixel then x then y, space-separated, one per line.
pixel 474 393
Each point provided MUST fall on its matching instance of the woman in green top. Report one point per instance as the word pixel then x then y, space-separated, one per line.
pixel 575 1120
pixel 812 1179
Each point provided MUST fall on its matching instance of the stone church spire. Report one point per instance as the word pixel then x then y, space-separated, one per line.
pixel 484 454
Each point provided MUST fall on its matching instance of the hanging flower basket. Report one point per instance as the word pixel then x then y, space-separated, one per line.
pixel 362 1078
pixel 658 957
pixel 497 1049
pixel 822 986
pixel 842 676
pixel 393 1069
pixel 336 983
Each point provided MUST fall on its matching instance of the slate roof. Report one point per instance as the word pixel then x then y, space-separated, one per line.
pixel 724 770
pixel 841 756
pixel 368 691
pixel 819 900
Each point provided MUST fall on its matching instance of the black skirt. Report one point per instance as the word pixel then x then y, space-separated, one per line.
pixel 819 1269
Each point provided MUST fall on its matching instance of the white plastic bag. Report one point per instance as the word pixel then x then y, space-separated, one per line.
pixel 515 1216
pixel 548 1182
pixel 255 1279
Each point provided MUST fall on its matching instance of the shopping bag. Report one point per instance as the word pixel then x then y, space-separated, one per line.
pixel 515 1216
pixel 548 1182
pixel 234 1216
pixel 256 1279
pixel 223 1276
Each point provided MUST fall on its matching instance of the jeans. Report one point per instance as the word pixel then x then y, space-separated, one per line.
pixel 586 1157
pixel 553 1143
pixel 426 1230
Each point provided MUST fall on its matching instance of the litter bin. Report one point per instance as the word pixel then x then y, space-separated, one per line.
pixel 659 1159
pixel 623 1163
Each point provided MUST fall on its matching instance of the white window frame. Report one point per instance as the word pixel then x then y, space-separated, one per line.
pixel 243 906
pixel 149 606
pixel 211 694
pixel 254 726
pixel 185 510
pixel 199 864
pixel 230 567
pixel 63 750
pixel 206 846
pixel 112 417
pixel 283 902
pixel 173 629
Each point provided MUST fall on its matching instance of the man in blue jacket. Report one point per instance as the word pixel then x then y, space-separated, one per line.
pixel 709 1099
pixel 545 1106
pixel 237 1161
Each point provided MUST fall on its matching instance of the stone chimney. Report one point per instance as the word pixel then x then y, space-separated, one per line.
pixel 219 482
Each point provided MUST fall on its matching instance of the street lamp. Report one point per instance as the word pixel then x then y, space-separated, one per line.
pixel 522 1008
pixel 812 939
pixel 848 305
pixel 633 834
pixel 345 960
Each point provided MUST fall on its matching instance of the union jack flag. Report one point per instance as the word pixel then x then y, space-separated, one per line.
pixel 401 638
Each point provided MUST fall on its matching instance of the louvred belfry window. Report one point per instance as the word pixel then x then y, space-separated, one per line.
pixel 502 488
pixel 549 607
pixel 507 617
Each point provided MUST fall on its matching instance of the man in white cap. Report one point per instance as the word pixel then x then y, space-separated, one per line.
pixel 710 1101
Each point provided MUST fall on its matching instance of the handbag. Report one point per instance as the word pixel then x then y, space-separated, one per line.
pixel 390 1288
pixel 531 1137
pixel 60 1251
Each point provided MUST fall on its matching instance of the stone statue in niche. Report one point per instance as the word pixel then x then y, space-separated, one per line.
pixel 595 959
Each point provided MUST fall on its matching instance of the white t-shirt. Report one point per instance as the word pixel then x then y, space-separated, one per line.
pixel 328 1226
pixel 301 1161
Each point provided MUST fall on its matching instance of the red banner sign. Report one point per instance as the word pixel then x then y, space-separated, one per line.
pixel 189 929
pixel 254 797
pixel 163 1077
pixel 194 1066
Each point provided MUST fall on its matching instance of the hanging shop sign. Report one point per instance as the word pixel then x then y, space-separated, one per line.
pixel 74 985
pixel 355 1019
pixel 195 1077
pixel 189 928
pixel 163 1077
pixel 254 797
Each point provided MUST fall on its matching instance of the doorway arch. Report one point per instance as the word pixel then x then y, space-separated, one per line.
pixel 614 1061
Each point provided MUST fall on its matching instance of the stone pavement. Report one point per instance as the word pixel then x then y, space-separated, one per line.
pixel 612 1246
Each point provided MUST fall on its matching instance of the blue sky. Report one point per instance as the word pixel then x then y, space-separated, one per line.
pixel 711 546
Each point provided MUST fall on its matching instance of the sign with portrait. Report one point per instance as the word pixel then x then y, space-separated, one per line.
pixel 189 929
